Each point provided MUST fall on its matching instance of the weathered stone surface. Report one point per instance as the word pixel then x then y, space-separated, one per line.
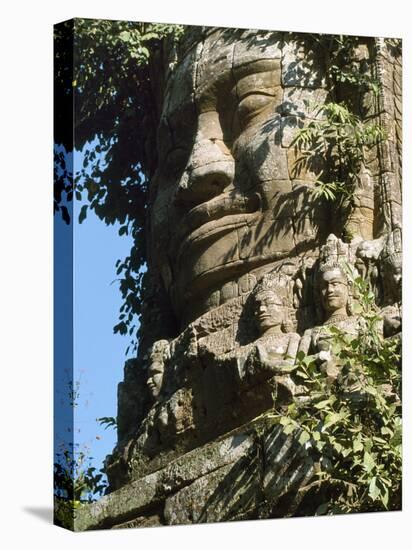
pixel 303 102
pixel 238 477
pixel 243 253
pixel 304 168
pixel 287 466
pixel 251 46
pixel 143 521
pixel 138 496
pixel 300 68
pixel 219 496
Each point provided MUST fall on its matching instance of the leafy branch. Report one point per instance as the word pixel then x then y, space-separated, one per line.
pixel 76 482
pixel 107 422
pixel 338 137
pixel 352 428
pixel 115 121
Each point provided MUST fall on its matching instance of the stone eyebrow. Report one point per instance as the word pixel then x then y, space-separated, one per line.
pixel 262 76
pixel 255 66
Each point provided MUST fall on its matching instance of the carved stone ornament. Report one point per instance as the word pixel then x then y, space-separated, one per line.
pixel 247 265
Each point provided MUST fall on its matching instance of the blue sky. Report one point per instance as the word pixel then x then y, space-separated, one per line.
pixel 98 354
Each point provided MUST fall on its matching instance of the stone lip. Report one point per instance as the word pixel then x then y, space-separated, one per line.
pixel 210 218
pixel 211 483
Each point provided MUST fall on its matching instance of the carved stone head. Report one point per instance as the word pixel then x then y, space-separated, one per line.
pixel 159 354
pixel 225 196
pixel 391 267
pixel 332 281
pixel 270 304
pixel 334 292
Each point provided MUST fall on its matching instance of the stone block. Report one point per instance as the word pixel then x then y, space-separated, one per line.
pixel 266 82
pixel 289 126
pixel 267 45
pixel 302 166
pixel 286 464
pixel 222 495
pixel 133 499
pixel 303 102
pixel 299 67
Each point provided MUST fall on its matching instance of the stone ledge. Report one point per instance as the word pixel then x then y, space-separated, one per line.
pixel 228 479
pixel 136 497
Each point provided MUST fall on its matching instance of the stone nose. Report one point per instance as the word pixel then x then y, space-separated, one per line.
pixel 209 171
pixel 210 168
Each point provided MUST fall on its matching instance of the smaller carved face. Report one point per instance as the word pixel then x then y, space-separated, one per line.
pixel 393 279
pixel 334 291
pixel 155 377
pixel 269 310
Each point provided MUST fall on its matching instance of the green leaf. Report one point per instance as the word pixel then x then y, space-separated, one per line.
pixel 357 445
pixel 125 36
pixel 368 462
pixel 332 419
pixel 304 437
pixel 373 490
pixel 83 212
pixel 322 509
pixel 323 404
pixel 285 421
pixel 290 428
pixel 338 447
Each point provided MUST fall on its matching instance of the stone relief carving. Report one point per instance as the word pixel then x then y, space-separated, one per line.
pixel 239 247
pixel 232 202
pixel 159 354
pixel 391 272
pixel 334 303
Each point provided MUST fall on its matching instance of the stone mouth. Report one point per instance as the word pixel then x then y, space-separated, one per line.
pixel 222 213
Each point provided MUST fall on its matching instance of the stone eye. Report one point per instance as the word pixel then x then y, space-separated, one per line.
pixel 251 106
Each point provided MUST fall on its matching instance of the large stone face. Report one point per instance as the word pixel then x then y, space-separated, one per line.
pixel 241 249
pixel 227 141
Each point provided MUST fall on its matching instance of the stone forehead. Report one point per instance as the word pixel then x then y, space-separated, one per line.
pixel 156 366
pixel 222 54
pixel 232 52
pixel 263 294
pixel 271 284
pixel 334 272
pixel 160 350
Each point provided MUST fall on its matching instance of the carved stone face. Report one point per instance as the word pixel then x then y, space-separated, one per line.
pixel 397 279
pixel 224 197
pixel 392 277
pixel 155 377
pixel 334 292
pixel 269 311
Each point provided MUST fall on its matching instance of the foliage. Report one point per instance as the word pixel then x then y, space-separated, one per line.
pixel 341 66
pixel 333 145
pixel 352 426
pixel 74 392
pixel 76 482
pixel 337 137
pixel 114 122
pixel 107 422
